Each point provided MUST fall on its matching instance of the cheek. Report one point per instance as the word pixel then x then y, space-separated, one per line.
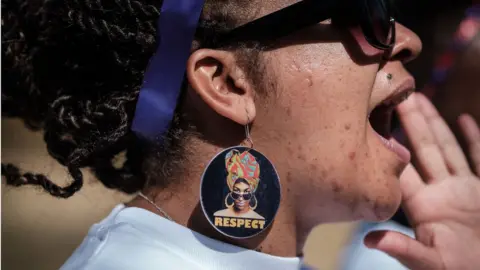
pixel 323 98
pixel 320 112
pixel 319 117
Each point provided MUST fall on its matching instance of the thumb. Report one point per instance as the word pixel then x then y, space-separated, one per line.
pixel 405 249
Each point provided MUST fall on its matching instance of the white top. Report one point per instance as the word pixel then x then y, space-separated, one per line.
pixel 134 238
pixel 358 257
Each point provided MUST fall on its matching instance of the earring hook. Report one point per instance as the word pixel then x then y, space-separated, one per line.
pixel 247 131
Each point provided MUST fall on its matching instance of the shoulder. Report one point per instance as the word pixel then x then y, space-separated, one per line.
pixel 253 214
pixel 113 251
pixel 223 212
pixel 123 241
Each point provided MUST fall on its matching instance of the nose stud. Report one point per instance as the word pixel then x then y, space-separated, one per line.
pixel 389 76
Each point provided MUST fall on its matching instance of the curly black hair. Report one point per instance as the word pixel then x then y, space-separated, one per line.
pixel 74 68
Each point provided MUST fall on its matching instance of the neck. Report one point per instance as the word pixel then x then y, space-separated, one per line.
pixel 240 211
pixel 181 200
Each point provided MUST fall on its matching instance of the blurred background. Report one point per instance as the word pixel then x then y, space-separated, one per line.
pixel 40 232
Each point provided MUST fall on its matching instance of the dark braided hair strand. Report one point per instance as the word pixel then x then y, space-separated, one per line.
pixel 74 68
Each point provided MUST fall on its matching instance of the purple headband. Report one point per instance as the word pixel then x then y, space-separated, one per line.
pixel 163 79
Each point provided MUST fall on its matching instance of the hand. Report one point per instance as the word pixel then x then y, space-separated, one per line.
pixel 444 207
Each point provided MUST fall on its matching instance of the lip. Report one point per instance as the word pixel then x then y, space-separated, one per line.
pixel 242 203
pixel 406 85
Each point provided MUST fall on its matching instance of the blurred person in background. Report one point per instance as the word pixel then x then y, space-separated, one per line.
pixel 315 92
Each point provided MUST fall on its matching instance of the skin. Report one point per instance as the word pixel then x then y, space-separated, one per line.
pixel 314 127
pixel 241 205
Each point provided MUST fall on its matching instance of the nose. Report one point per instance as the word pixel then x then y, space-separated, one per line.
pixel 407 45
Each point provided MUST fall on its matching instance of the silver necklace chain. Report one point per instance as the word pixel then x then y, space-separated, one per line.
pixel 156 206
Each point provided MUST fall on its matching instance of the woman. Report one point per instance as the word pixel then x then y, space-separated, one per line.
pixel 241 207
pixel 242 180
pixel 306 81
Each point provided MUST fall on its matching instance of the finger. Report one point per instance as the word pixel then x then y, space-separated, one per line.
pixel 423 143
pixel 408 251
pixel 446 141
pixel 472 134
pixel 410 182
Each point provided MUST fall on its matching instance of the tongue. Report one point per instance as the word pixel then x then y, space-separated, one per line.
pixel 400 150
pixel 394 146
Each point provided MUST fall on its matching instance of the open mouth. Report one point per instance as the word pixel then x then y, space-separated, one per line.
pixel 381 121
pixel 382 115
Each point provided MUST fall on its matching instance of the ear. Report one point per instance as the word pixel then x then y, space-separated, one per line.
pixel 221 83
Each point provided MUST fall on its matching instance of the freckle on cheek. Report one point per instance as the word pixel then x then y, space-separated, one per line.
pixel 337 188
pixel 289 112
pixel 352 204
pixel 352 155
pixel 348 126
pixel 289 177
pixel 309 81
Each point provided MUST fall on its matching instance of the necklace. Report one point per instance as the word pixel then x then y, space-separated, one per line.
pixel 156 206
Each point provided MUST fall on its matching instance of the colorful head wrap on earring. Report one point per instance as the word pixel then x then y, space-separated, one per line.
pixel 242 165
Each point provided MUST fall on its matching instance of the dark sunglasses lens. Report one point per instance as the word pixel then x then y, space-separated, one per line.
pixel 376 23
pixel 246 196
pixel 380 18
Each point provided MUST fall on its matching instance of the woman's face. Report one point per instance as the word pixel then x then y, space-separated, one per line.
pixel 316 127
pixel 240 189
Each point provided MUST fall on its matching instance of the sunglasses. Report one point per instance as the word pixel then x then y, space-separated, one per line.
pixel 373 16
pixel 246 196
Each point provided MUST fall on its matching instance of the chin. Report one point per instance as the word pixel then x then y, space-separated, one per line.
pixel 378 185
pixel 381 194
pixel 382 202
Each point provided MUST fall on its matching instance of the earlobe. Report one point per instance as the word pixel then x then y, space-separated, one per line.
pixel 215 76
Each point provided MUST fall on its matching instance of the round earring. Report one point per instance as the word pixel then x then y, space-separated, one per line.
pixel 226 200
pixel 240 168
pixel 256 204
